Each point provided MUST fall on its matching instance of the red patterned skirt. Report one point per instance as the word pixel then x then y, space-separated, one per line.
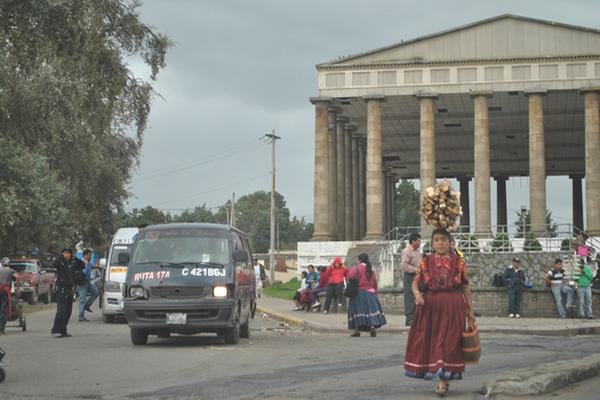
pixel 434 346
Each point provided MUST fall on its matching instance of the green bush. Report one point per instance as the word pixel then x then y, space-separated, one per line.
pixel 502 243
pixel 468 243
pixel 531 243
pixel 565 245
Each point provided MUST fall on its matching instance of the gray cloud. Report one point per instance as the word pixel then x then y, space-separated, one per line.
pixel 240 68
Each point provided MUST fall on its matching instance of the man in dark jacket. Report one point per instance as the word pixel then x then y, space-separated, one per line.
pixel 514 280
pixel 64 293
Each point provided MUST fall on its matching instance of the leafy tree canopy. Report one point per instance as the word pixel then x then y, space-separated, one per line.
pixel 252 215
pixel 73 112
pixel 407 203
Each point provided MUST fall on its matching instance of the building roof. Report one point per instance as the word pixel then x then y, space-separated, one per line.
pixel 503 36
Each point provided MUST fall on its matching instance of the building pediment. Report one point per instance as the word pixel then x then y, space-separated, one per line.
pixel 503 37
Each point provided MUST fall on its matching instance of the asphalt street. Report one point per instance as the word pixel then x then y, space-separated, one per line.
pixel 277 362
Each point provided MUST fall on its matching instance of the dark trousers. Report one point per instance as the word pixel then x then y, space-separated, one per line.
pixel 336 291
pixel 64 307
pixel 409 299
pixel 514 300
pixel 3 309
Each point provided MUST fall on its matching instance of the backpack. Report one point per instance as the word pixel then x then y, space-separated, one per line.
pixel 497 280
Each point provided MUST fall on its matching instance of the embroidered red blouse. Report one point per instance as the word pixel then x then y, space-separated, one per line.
pixel 442 272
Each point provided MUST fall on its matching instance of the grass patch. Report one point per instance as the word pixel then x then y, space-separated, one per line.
pixel 283 290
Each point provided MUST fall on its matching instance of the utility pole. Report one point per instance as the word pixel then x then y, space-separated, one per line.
pixel 273 138
pixel 232 216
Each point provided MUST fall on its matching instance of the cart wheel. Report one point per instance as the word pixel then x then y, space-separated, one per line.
pixel 2 375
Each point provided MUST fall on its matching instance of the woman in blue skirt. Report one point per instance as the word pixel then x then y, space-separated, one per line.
pixel 364 311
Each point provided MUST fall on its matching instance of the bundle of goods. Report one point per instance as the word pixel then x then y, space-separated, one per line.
pixel 441 206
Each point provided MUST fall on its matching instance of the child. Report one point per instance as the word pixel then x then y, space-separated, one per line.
pixel 303 286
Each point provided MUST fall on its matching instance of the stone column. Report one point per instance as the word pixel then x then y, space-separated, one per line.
pixel 321 194
pixel 537 163
pixel 333 200
pixel 577 201
pixel 341 177
pixel 374 176
pixel 355 189
pixel 350 129
pixel 362 195
pixel 465 219
pixel 386 202
pixel 501 214
pixel 592 161
pixel 481 138
pixel 392 202
pixel 427 160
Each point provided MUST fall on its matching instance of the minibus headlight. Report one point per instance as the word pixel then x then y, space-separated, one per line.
pixel 112 287
pixel 137 292
pixel 220 291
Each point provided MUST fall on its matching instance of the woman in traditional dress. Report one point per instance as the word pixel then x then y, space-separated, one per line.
pixel 364 310
pixel 444 303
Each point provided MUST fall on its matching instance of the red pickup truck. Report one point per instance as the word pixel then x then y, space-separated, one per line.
pixel 36 282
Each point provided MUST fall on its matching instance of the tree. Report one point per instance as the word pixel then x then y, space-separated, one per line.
pixel 147 215
pixel 32 199
pixel 524 221
pixel 197 214
pixel 68 97
pixel 407 204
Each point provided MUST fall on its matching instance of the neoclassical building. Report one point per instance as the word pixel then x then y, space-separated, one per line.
pixel 503 97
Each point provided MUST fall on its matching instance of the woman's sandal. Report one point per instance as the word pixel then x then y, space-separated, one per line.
pixel 355 334
pixel 442 388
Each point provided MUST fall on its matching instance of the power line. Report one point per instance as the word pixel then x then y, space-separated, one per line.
pixel 214 190
pixel 182 166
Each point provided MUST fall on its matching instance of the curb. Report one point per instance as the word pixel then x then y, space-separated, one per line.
pixel 282 317
pixel 315 326
pixel 321 328
pixel 544 378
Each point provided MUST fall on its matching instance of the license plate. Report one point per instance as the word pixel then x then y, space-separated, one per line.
pixel 176 318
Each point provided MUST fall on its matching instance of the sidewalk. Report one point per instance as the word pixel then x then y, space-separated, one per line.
pixel 338 323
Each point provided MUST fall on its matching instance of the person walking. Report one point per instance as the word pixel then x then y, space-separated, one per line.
pixel 584 290
pixel 335 284
pixel 7 275
pixel 444 301
pixel 409 264
pixel 64 293
pixel 514 279
pixel 258 278
pixel 364 310
pixel 88 292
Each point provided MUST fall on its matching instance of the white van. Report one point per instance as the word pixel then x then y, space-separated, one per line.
pixel 114 273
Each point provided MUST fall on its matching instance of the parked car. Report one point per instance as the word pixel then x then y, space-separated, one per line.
pixel 36 282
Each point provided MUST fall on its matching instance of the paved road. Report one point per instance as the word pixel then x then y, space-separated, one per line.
pixel 99 362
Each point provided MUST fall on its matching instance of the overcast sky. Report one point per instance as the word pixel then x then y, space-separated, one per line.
pixel 242 68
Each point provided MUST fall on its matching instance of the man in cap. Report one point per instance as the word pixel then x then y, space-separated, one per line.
pixel 7 274
pixel 65 282
pixel 555 278
pixel 514 279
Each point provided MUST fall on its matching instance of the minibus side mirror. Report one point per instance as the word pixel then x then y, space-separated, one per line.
pixel 123 258
pixel 240 256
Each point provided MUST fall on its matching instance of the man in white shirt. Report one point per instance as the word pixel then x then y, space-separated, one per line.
pixel 409 265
